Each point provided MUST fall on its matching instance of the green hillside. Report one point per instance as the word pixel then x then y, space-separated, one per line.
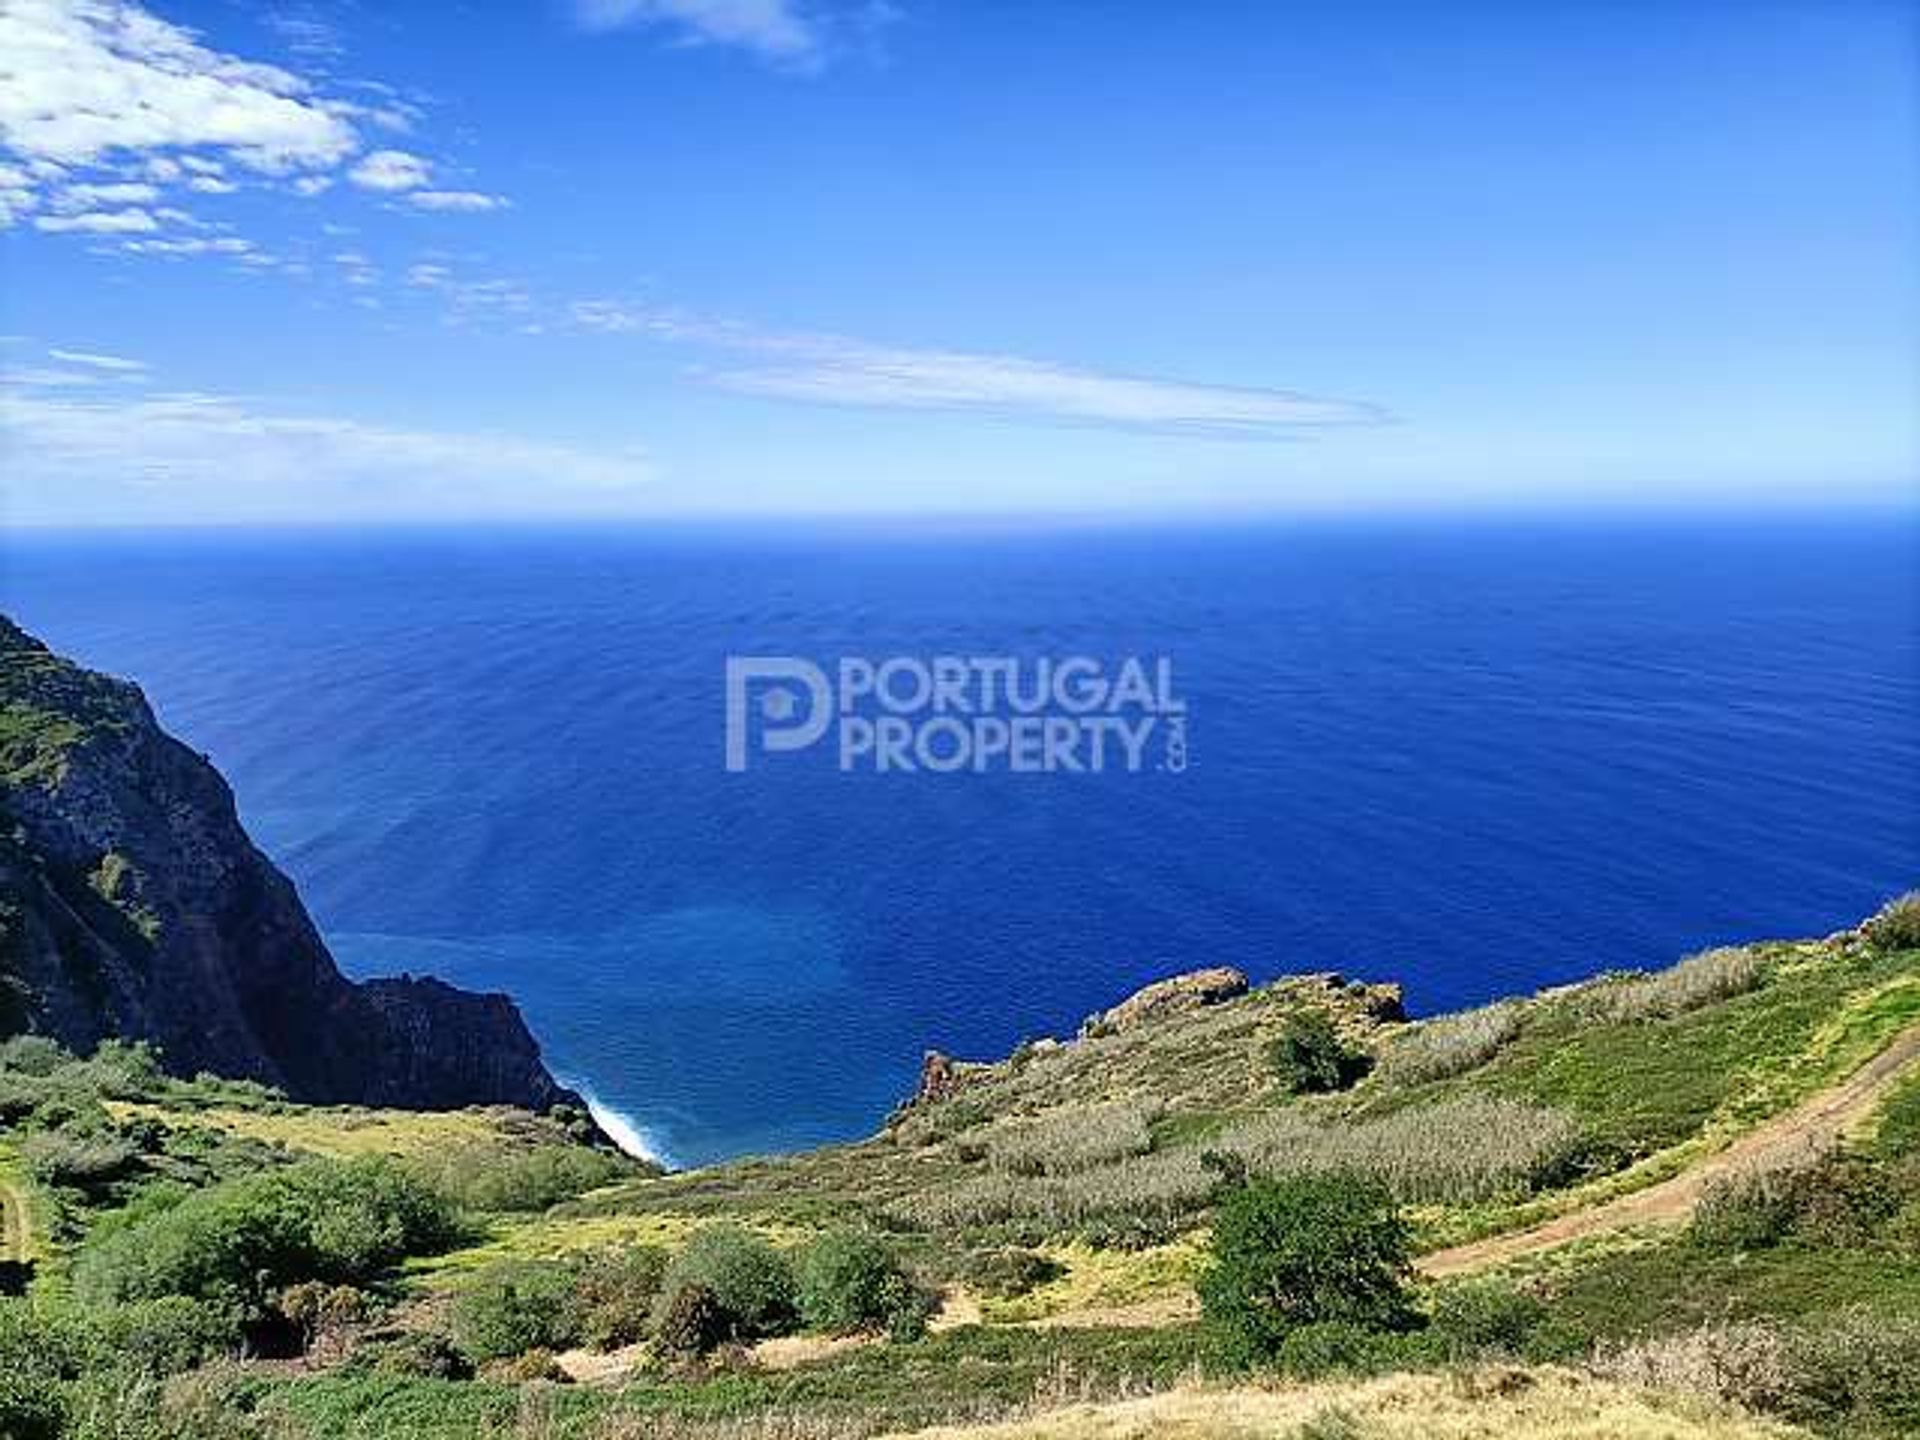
pixel 1688 1200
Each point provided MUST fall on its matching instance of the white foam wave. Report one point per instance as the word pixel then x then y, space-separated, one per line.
pixel 632 1137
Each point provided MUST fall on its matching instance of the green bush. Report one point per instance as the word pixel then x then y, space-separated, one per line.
pixel 1482 1319
pixel 1300 1251
pixel 1339 1347
pixel 83 1160
pixel 421 1355
pixel 1858 1373
pixel 1009 1274
pixel 35 1358
pixel 240 1242
pixel 614 1295
pixel 32 1055
pixel 513 1307
pixel 1308 1057
pixel 1827 1199
pixel 750 1281
pixel 691 1321
pixel 164 1336
pixel 849 1282
pixel 487 1177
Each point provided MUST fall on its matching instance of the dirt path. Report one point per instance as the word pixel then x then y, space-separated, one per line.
pixel 1826 1117
pixel 1830 1115
pixel 16 1226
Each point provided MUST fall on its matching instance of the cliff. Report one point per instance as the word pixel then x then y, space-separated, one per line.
pixel 133 905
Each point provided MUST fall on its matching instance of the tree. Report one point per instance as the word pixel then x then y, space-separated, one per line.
pixel 1300 1251
pixel 1308 1057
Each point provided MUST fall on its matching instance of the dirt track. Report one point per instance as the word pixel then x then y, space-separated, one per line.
pixel 1822 1119
pixel 1830 1115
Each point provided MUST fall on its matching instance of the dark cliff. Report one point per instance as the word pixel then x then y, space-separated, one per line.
pixel 133 905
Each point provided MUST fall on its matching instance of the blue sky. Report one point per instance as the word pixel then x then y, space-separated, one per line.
pixel 303 261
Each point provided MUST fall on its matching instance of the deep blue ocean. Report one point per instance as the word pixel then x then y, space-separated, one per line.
pixel 1474 758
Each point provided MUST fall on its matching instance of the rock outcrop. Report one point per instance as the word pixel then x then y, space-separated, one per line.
pixel 133 906
pixel 1173 996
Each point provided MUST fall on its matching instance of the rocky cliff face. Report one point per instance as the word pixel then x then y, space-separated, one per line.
pixel 133 905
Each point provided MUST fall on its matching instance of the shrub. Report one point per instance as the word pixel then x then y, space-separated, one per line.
pixel 1295 1252
pixel 32 1055
pixel 164 1336
pixel 535 1364
pixel 1747 1363
pixel 907 1309
pixel 82 1160
pixel 1009 1274
pixel 1450 1045
pixel 1758 1205
pixel 750 1281
pixel 1338 1347
pixel 512 1307
pixel 614 1295
pixel 487 1177
pixel 1072 1139
pixel 1481 1319
pixel 1699 980
pixel 1308 1057
pixel 1859 1371
pixel 1460 1150
pixel 692 1321
pixel 1896 926
pixel 240 1242
pixel 419 1355
pixel 849 1281
pixel 35 1358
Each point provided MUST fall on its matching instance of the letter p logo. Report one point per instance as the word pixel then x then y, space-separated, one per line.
pixel 786 723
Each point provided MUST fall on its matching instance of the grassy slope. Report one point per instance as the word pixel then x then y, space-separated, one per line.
pixel 1550 1405
pixel 1658 1093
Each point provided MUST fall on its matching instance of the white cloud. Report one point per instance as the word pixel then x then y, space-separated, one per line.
pixel 104 106
pixel 94 360
pixel 834 370
pixel 391 170
pixel 183 455
pixel 94 80
pixel 456 200
pixel 773 29
pixel 193 245
pixel 99 222
pixel 90 197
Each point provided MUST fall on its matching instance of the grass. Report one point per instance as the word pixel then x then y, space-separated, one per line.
pixel 1098 1279
pixel 339 1132
pixel 1512 1404
pixel 965 1374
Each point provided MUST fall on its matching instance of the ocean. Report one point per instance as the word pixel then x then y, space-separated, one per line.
pixel 1474 758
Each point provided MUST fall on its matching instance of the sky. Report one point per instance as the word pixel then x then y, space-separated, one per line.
pixel 297 261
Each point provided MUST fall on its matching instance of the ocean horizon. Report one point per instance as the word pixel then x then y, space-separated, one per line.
pixel 1472 757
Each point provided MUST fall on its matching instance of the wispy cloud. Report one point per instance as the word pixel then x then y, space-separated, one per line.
pixel 99 222
pixel 93 360
pixel 468 201
pixel 835 370
pixel 77 454
pixel 772 29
